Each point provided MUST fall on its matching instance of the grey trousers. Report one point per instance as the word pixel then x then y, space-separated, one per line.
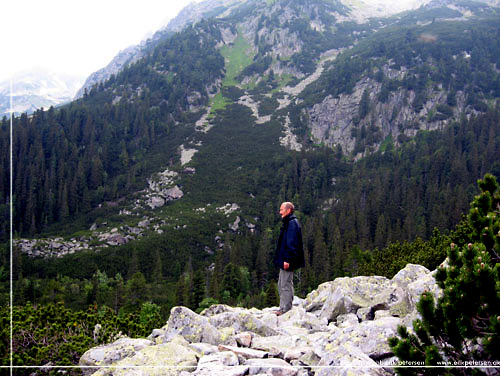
pixel 285 289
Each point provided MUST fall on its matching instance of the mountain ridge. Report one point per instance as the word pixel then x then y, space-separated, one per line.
pixel 189 15
pixel 195 12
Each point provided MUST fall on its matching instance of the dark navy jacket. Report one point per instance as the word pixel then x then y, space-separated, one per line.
pixel 290 247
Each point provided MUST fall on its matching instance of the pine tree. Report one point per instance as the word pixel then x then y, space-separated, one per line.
pixel 364 105
pixel 63 204
pixel 157 275
pixel 320 257
pixel 263 259
pixel 198 289
pixel 133 266
pixel 180 299
pixel 184 293
pixel 464 325
pixel 119 290
pixel 381 232
pixel 216 276
pixel 272 297
pixel 136 291
pixel 158 267
pixel 230 285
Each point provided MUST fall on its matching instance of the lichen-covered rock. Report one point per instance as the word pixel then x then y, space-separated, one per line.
pixel 426 282
pixel 244 339
pixel 222 363
pixel 298 317
pixel 203 349
pixel 382 313
pixel 168 359
pixel 241 322
pixel 274 367
pixel 366 295
pixel 191 326
pixel 296 353
pixel 369 336
pixel 339 329
pixel 310 358
pixel 216 309
pixel 348 360
pixel 345 321
pixel 410 273
pixel 274 345
pixel 113 352
pixel 277 346
pixel 223 358
pixel 365 313
pixel 345 295
pixel 268 317
pixel 394 299
pixel 416 279
pixel 220 370
pixel 244 352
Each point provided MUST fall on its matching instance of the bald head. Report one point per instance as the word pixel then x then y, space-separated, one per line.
pixel 286 208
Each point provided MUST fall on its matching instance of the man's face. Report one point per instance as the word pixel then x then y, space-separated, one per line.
pixel 284 211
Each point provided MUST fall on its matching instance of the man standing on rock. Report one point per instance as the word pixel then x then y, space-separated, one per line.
pixel 289 255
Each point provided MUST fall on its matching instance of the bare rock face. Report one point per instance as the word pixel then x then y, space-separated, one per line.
pixel 191 326
pixel 336 120
pixel 341 328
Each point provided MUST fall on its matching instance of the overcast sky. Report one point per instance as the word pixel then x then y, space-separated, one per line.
pixel 76 36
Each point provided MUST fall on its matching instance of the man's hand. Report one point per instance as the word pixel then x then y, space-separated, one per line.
pixel 286 265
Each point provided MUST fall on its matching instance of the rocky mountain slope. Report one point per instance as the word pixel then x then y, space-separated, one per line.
pixel 306 70
pixel 191 14
pixel 398 97
pixel 341 328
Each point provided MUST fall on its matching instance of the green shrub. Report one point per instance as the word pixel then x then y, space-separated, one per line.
pixel 463 328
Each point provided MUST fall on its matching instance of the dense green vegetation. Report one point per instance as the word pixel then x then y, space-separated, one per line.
pixel 57 336
pixel 463 328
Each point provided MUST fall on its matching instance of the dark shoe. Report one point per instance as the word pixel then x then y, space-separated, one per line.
pixel 278 313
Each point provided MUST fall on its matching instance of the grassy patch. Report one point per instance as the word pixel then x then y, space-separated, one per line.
pixel 283 80
pixel 218 102
pixel 237 56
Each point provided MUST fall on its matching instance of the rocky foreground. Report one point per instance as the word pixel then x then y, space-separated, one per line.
pixel 341 328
